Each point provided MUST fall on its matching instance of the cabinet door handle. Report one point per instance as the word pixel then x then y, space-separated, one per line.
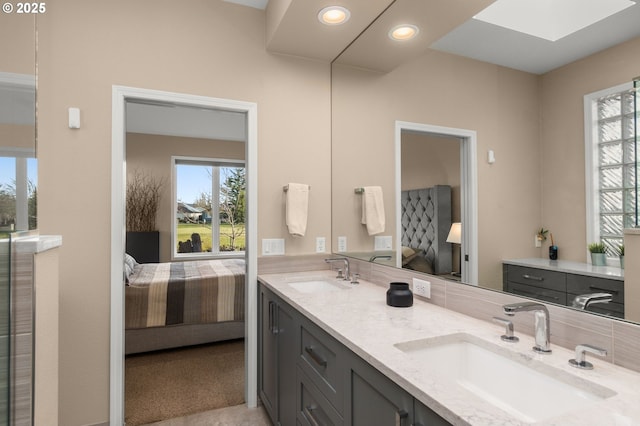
pixel 534 294
pixel 532 277
pixel 315 357
pixel 273 327
pixel 606 290
pixel 308 411
pixel 400 416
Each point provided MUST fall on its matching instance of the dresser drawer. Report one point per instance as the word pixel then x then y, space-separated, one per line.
pixel 321 358
pixel 312 406
pixel 537 277
pixel 581 284
pixel 544 294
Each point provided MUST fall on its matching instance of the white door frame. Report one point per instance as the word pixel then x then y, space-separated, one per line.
pixel 120 95
pixel 468 189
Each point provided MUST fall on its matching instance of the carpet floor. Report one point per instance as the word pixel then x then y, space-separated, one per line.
pixel 173 383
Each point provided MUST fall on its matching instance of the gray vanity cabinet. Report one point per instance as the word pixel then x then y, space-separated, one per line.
pixel 278 341
pixel 374 399
pixel 562 287
pixel 424 416
pixel 307 377
pixel 549 286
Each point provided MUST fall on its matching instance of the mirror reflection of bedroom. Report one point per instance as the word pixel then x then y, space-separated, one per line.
pixel 184 261
pixel 431 194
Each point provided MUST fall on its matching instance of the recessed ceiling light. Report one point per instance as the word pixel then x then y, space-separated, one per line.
pixel 334 15
pixel 403 32
pixel 550 19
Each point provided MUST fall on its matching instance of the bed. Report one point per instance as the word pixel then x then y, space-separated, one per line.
pixel 176 304
pixel 426 220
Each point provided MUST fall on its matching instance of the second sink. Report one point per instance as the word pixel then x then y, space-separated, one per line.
pixel 521 386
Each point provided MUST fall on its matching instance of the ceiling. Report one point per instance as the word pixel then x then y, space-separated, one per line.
pixel 296 31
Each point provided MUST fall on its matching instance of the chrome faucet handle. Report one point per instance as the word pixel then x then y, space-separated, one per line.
pixel 580 360
pixel 340 274
pixel 354 278
pixel 508 333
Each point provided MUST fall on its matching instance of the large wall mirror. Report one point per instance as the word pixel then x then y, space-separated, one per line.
pixel 18 167
pixel 519 97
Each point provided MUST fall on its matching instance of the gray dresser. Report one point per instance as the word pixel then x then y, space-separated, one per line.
pixel 559 281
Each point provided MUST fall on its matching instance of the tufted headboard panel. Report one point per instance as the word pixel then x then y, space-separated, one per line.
pixel 426 220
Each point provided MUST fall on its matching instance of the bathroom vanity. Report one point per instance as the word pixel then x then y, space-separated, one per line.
pixel 560 281
pixel 334 353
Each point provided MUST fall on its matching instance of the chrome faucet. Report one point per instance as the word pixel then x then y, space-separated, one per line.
pixel 584 300
pixel 542 325
pixel 347 272
pixel 379 256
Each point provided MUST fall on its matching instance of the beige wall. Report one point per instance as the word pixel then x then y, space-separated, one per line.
pixel 429 160
pixel 17 43
pixel 500 104
pixel 209 48
pixel 152 153
pixel 562 139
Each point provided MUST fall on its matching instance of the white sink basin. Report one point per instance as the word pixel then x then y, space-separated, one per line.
pixel 317 286
pixel 523 387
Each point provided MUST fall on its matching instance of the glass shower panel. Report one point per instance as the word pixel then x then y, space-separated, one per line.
pixel 636 139
pixel 5 326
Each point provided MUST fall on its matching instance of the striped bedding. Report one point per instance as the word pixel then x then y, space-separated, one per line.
pixel 194 292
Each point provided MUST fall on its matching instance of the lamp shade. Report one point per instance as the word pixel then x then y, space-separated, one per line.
pixel 455 233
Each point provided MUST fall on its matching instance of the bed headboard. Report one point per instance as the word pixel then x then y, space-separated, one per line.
pixel 426 220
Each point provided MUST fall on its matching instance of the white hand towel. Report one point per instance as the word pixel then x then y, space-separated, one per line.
pixel 373 209
pixel 297 200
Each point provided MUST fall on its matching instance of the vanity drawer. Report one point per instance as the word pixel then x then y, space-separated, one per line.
pixel 581 284
pixel 545 294
pixel 321 358
pixel 312 407
pixel 537 277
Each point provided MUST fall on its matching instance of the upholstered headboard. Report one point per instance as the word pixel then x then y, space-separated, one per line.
pixel 426 220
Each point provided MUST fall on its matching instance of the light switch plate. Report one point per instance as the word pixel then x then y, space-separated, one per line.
pixel 382 242
pixel 272 246
pixel 342 244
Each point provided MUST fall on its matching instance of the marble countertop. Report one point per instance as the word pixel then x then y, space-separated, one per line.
pixel 360 319
pixel 610 272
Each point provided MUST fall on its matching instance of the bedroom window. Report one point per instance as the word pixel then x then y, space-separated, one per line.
pixel 18 190
pixel 209 207
pixel 611 166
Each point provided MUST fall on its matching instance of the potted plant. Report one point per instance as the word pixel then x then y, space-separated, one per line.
pixel 541 235
pixel 598 254
pixel 143 200
pixel 621 251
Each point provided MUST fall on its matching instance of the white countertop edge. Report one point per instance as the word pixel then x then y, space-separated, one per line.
pixel 360 319
pixel 38 243
pixel 568 266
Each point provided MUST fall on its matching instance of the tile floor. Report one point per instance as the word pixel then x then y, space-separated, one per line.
pixel 238 415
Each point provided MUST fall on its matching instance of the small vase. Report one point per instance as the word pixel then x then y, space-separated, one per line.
pixel 598 259
pixel 621 262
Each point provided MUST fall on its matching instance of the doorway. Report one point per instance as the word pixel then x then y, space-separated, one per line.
pixel 467 141
pixel 122 96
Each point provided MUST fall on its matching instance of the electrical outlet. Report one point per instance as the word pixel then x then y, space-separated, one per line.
pixel 320 245
pixel 422 288
pixel 536 241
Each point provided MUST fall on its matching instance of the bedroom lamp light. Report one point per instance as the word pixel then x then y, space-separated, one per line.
pixel 455 233
pixel 455 237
